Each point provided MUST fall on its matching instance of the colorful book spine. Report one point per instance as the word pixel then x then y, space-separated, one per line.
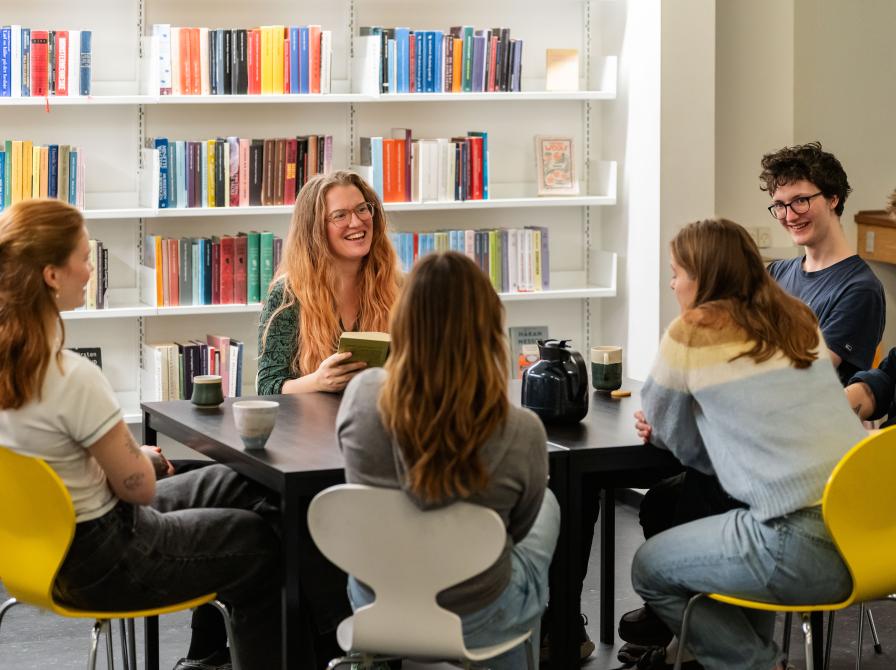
pixel 86 61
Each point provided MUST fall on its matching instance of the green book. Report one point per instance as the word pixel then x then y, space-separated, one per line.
pixel 254 283
pixel 494 259
pixel 266 256
pixel 370 347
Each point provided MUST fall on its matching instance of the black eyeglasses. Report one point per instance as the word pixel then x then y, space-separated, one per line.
pixel 799 205
pixel 342 217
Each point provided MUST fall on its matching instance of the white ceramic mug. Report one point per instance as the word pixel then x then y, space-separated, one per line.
pixel 254 421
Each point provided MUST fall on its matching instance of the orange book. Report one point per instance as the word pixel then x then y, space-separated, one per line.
pixel 44 170
pixel 311 157
pixel 457 63
pixel 314 58
pixel 186 71
pixel 393 170
pixel 173 265
pixel 195 63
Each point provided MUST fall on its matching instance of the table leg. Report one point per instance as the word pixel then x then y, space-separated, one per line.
pixel 607 563
pixel 150 437
pixel 816 619
pixel 559 630
pixel 298 646
pixel 151 642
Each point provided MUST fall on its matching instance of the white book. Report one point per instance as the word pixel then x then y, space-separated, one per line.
pixel 90 293
pixel 204 85
pixel 149 178
pixel 416 173
pixel 326 60
pixel 15 51
pixel 431 181
pixel 163 68
pixel 365 172
pixel 366 65
pixel 149 65
pixel 393 66
pixel 74 63
pixel 232 361
pixel 175 61
pixel 154 378
pixel 526 273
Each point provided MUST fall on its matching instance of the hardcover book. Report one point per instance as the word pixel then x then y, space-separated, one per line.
pixel 521 338
pixel 370 347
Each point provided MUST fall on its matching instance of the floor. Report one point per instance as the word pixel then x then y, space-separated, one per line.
pixel 33 640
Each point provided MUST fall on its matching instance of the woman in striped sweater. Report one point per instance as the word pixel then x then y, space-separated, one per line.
pixel 742 388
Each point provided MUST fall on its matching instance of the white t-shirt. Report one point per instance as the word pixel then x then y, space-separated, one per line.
pixel 75 410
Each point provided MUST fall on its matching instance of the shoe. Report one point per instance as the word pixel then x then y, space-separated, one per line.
pixel 655 659
pixel 586 646
pixel 220 660
pixel 642 626
pixel 630 653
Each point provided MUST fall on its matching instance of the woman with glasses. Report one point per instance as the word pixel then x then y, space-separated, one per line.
pixel 339 272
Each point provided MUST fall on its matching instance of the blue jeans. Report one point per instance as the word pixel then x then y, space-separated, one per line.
pixel 789 560
pixel 519 607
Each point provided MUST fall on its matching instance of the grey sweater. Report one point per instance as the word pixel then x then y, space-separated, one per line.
pixel 516 458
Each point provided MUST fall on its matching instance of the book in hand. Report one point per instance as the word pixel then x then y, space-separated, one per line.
pixel 370 347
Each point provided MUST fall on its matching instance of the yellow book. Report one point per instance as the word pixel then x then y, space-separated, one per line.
pixel 27 156
pixel 536 259
pixel 267 61
pixel 16 171
pixel 370 347
pixel 210 152
pixel 35 172
pixel 457 64
pixel 277 59
pixel 44 171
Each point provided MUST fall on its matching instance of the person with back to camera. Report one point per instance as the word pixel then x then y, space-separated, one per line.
pixel 339 272
pixel 138 543
pixel 436 422
pixel 742 388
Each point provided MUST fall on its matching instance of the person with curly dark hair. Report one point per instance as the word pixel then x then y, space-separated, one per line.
pixel 809 188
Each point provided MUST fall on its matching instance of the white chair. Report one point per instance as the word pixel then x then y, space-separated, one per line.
pixel 407 556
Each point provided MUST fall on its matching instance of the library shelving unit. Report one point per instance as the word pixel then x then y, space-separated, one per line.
pixel 113 124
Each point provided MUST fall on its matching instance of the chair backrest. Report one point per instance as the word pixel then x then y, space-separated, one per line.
pixel 37 523
pixel 407 556
pixel 860 513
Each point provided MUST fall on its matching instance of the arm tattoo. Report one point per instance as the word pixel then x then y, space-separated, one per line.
pixel 133 481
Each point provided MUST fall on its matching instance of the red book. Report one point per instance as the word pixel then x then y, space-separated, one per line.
pixel 476 167
pixel 412 63
pixel 416 247
pixel 244 172
pixel 61 64
pixel 240 274
pixel 173 265
pixel 286 72
pixel 393 181
pixel 314 58
pixel 222 344
pixel 492 60
pixel 253 61
pixel 227 256
pixel 185 72
pixel 216 274
pixel 195 63
pixel 289 184
pixel 39 55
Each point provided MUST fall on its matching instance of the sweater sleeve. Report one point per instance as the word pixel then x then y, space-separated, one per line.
pixel 671 409
pixel 523 515
pixel 882 382
pixel 276 352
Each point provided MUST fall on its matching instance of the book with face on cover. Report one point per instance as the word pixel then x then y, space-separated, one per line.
pixel 370 347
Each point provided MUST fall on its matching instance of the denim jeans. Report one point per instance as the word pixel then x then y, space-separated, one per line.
pixel 201 534
pixel 789 560
pixel 518 609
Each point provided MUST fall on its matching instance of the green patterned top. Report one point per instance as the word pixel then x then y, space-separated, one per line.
pixel 275 359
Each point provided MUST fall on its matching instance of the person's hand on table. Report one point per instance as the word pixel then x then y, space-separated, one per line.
pixel 160 464
pixel 642 427
pixel 334 373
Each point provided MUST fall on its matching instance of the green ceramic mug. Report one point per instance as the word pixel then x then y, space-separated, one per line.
pixel 207 391
pixel 606 368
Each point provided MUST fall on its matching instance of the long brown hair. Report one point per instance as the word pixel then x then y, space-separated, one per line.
pixel 308 272
pixel 33 235
pixel 725 262
pixel 445 392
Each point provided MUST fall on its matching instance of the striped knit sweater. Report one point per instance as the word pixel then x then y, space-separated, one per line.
pixel 772 433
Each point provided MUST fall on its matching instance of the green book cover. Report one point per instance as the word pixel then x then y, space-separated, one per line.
pixel 494 259
pixel 370 347
pixel 466 79
pixel 254 283
pixel 266 256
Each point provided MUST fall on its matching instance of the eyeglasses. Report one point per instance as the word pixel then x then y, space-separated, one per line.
pixel 342 217
pixel 798 205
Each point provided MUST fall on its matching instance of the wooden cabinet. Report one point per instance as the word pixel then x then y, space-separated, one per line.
pixel 877 236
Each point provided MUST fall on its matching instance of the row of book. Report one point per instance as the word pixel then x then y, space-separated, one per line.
pixel 29 170
pixel 517 260
pixel 95 295
pixel 402 169
pixel 461 59
pixel 44 62
pixel 169 368
pixel 239 61
pixel 231 171
pixel 208 271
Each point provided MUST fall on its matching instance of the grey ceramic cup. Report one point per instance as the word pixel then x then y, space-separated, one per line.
pixel 606 368
pixel 254 421
pixel 207 391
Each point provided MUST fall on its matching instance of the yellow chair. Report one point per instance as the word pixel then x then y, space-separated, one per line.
pixel 37 524
pixel 859 507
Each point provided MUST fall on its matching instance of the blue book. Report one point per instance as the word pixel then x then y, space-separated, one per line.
pixel 73 177
pixel 26 62
pixel 294 86
pixel 439 74
pixel 402 60
pixel 52 170
pixel 376 160
pixel 429 65
pixel 2 179
pixel 172 174
pixel 85 63
pixel 419 57
pixel 484 136
pixel 7 172
pixel 161 143
pixel 6 61
pixel 304 80
pixel 207 274
pixel 181 169
pixel 479 56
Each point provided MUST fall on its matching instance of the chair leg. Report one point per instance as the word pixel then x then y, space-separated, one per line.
pixel 829 642
pixel 6 606
pixel 878 648
pixel 785 641
pixel 132 645
pixel 228 626
pixel 94 643
pixel 110 658
pixel 530 656
pixel 807 635
pixel 682 635
pixel 861 636
pixel 124 645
